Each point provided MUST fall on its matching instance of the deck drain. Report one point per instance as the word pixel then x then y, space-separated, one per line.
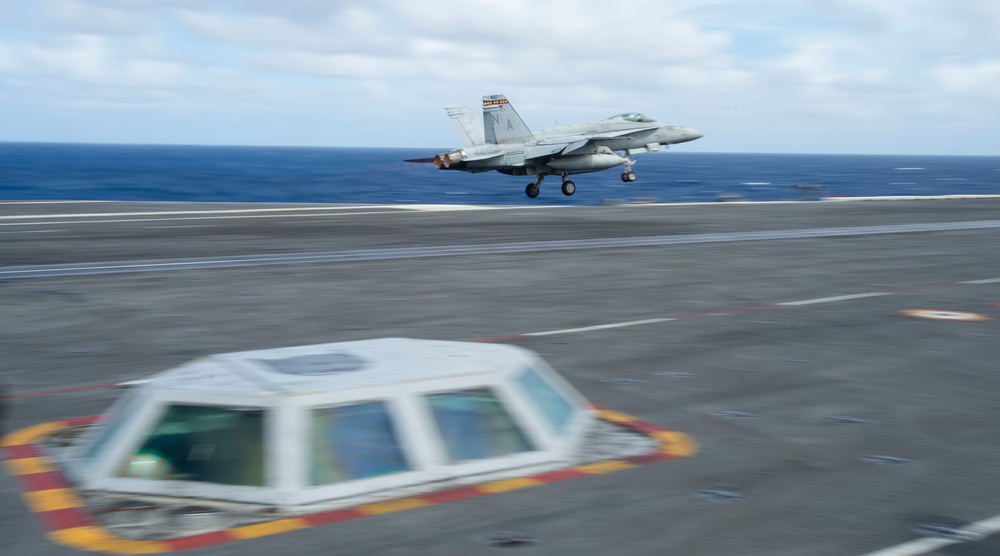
pixel 673 374
pixel 621 380
pixel 511 538
pixel 724 495
pixel 888 460
pixel 850 420
pixel 945 531
pixel 734 414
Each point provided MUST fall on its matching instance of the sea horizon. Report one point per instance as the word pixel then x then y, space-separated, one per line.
pixel 379 175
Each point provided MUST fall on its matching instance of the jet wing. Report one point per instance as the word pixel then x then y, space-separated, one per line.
pixel 565 145
pixel 617 134
pixel 554 146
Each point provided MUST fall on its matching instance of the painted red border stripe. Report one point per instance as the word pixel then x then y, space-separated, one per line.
pixel 335 516
pixel 56 391
pixel 650 458
pixel 644 427
pixel 198 541
pixel 21 451
pixel 453 495
pixel 47 480
pixel 559 475
pixel 66 518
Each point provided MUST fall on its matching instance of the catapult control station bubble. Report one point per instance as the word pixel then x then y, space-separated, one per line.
pixel 334 425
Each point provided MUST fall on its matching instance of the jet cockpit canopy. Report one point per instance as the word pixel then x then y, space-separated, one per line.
pixel 630 117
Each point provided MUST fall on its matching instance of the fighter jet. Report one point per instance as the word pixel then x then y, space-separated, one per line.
pixel 500 141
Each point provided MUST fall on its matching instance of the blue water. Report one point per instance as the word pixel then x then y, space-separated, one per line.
pixel 32 171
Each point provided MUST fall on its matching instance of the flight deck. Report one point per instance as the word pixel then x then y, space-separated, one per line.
pixel 834 361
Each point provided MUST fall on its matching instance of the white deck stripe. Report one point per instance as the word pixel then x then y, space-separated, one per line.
pixel 986 281
pixel 181 218
pixel 835 298
pixel 177 212
pixel 599 327
pixel 985 528
pixel 912 548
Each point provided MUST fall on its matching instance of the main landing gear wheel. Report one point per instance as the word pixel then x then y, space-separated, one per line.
pixel 532 190
pixel 568 188
pixel 628 176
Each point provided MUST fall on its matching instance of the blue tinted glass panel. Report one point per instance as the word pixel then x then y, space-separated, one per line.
pixel 354 442
pixel 475 425
pixel 557 409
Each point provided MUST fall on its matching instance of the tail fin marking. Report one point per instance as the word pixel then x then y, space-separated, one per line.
pixel 501 123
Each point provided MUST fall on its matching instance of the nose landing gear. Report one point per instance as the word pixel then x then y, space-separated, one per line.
pixel 627 174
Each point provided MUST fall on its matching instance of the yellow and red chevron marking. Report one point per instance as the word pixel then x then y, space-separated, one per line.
pixel 53 499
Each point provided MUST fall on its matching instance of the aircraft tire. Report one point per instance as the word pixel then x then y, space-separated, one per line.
pixel 631 176
pixel 531 190
pixel 625 177
pixel 568 188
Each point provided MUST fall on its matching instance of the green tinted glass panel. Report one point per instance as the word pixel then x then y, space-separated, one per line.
pixel 354 442
pixel 198 443
pixel 555 406
pixel 475 425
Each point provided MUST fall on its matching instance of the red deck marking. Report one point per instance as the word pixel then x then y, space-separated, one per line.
pixel 642 427
pixel 335 516
pixel 198 541
pixel 66 518
pixel 21 451
pixel 560 475
pixel 47 480
pixel 453 495
pixel 650 458
pixel 56 391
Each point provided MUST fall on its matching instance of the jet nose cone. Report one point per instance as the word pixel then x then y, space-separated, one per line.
pixel 693 134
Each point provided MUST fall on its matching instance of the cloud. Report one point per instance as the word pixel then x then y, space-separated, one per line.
pixel 729 66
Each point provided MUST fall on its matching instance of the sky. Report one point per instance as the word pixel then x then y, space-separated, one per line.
pixel 811 76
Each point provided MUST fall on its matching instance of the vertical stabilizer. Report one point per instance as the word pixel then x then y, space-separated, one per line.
pixel 469 127
pixel 501 123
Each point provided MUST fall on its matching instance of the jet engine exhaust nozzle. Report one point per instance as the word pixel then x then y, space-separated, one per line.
pixel 446 160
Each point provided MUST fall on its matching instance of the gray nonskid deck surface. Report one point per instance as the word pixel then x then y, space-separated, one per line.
pixel 830 423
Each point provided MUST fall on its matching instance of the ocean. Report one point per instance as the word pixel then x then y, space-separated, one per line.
pixel 50 171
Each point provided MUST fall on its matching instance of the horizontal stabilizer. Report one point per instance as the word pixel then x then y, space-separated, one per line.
pixel 421 160
pixel 468 125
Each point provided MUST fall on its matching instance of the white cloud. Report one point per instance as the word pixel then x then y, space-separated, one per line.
pixel 729 67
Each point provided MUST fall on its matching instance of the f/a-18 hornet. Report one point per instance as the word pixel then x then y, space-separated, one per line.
pixel 500 141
